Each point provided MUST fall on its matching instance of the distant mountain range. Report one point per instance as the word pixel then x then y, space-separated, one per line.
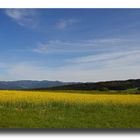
pixel 29 84
pixel 59 85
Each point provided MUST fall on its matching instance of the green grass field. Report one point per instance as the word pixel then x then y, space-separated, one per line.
pixel 68 109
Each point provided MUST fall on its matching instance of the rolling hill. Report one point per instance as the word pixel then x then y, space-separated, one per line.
pixel 107 85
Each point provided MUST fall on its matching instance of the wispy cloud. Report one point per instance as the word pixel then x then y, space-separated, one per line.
pixel 24 17
pixel 114 65
pixel 114 58
pixel 65 23
pixel 95 45
pixel 122 68
pixel 110 56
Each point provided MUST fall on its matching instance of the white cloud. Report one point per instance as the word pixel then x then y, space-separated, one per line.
pixel 24 17
pixel 99 45
pixel 111 56
pixel 118 61
pixel 65 23
pixel 112 65
pixel 21 71
pixel 116 67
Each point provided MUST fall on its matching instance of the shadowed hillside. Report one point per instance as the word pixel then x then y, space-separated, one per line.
pixel 108 85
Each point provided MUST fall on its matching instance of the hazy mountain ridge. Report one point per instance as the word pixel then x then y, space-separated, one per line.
pixel 29 84
pixel 59 85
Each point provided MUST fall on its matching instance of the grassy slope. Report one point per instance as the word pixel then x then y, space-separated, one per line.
pixel 38 110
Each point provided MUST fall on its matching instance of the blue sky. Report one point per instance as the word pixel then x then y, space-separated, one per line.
pixel 69 44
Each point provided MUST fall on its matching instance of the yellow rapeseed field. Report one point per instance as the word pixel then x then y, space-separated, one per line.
pixel 47 96
pixel 68 109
